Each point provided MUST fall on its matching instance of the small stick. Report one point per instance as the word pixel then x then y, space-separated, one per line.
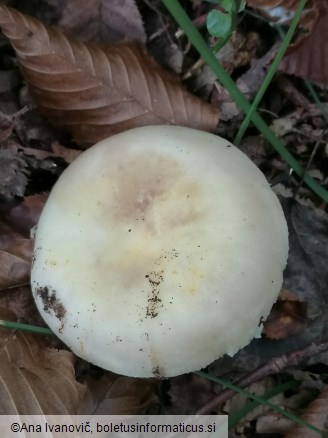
pixel 273 366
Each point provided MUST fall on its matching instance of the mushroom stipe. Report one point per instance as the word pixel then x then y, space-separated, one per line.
pixel 159 250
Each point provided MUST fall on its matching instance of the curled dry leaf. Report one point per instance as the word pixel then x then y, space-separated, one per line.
pixel 35 379
pixel 95 91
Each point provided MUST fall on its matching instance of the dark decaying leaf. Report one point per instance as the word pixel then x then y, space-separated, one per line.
pixel 95 91
pixel 65 153
pixel 308 57
pixel 6 126
pixel 119 395
pixel 20 301
pixel 15 258
pixel 25 216
pixel 316 414
pixel 101 20
pixel 13 172
pixel 288 317
pixel 16 246
pixel 35 379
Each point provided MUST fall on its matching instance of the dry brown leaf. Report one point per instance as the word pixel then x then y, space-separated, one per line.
pixel 15 257
pixel 65 153
pixel 20 301
pixel 96 91
pixel 316 414
pixel 16 246
pixel 308 58
pixel 288 316
pixel 7 122
pixel 6 126
pixel 59 151
pixel 35 379
pixel 13 171
pixel 25 216
pixel 101 20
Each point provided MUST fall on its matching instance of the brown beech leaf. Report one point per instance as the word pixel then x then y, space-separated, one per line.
pixel 35 379
pixel 308 58
pixel 288 316
pixel 94 91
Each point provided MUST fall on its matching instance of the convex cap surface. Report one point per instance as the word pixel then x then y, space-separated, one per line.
pixel 159 250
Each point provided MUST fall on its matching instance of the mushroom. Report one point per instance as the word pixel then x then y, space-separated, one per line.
pixel 159 250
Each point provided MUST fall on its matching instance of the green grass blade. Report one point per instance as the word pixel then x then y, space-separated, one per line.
pixel 259 400
pixel 196 39
pixel 235 417
pixel 271 72
pixel 25 327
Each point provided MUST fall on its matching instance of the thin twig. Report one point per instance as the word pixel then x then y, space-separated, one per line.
pixel 274 366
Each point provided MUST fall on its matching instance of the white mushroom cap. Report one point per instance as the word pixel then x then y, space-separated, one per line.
pixel 159 250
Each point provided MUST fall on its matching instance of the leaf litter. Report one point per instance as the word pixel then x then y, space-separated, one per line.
pixel 38 155
pixel 35 379
pixel 96 91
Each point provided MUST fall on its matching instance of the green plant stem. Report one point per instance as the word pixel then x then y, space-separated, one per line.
pixel 258 399
pixel 25 327
pixel 271 72
pixel 196 39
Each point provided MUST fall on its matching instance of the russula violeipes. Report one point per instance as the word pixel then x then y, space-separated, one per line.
pixel 159 250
